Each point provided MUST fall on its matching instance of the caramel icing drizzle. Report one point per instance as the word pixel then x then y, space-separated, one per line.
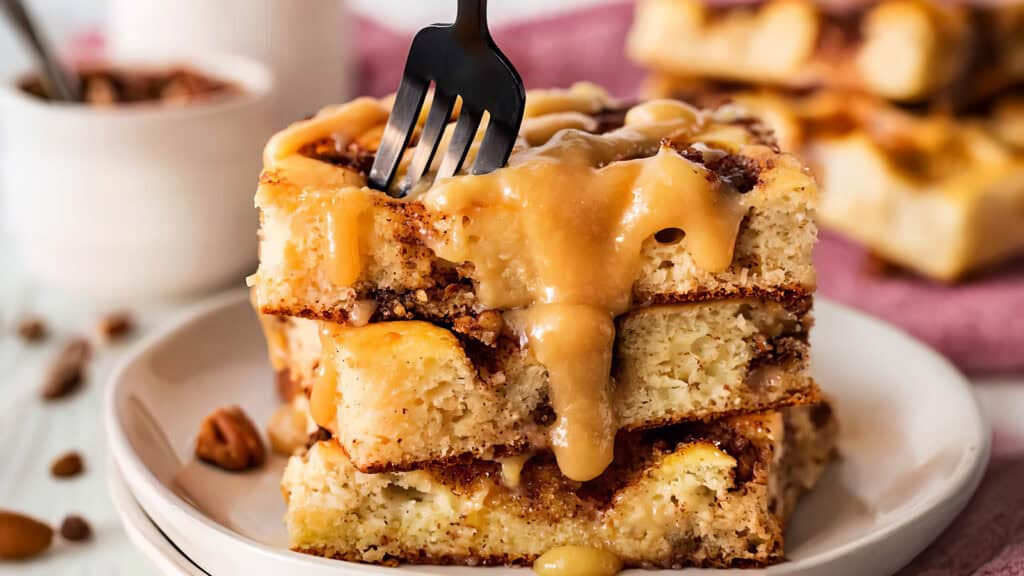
pixel 556 238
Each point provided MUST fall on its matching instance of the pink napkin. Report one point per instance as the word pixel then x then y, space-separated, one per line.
pixel 972 324
pixel 987 539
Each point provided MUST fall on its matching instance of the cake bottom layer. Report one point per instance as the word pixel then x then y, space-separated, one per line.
pixel 714 495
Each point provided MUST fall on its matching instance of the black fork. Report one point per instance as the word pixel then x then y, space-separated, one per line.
pixel 461 60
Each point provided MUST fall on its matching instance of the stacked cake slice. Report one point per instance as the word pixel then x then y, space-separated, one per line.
pixel 911 112
pixel 601 345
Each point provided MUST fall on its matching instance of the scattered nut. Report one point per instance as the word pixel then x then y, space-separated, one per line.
pixel 228 439
pixel 22 537
pixel 67 466
pixel 287 430
pixel 68 370
pixel 115 326
pixel 33 329
pixel 75 529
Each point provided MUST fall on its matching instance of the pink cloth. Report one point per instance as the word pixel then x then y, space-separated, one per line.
pixel 979 324
pixel 987 539
pixel 972 324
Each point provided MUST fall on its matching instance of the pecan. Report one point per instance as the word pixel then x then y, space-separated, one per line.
pixel 486 327
pixel 115 326
pixel 22 537
pixel 67 466
pixel 228 439
pixel 75 529
pixel 68 370
pixel 32 329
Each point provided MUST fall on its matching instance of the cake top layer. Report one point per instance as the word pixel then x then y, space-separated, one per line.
pixel 558 232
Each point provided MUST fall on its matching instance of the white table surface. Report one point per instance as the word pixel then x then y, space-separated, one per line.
pixel 32 433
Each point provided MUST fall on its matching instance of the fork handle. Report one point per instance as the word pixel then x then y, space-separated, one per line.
pixel 471 20
pixel 56 80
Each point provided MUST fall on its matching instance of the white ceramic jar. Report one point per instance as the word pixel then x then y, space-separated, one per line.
pixel 140 201
pixel 306 43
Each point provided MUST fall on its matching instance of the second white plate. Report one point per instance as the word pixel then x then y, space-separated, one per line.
pixel 145 535
pixel 913 444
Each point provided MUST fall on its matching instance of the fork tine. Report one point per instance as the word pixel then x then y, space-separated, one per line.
pixel 462 138
pixel 495 148
pixel 411 93
pixel 437 119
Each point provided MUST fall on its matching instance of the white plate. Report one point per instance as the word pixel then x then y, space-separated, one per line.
pixel 144 534
pixel 913 440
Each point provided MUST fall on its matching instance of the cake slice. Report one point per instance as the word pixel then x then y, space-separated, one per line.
pixel 935 193
pixel 904 50
pixel 398 395
pixel 940 196
pixel 736 217
pixel 713 495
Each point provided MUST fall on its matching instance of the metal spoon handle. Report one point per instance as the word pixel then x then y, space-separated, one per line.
pixel 55 79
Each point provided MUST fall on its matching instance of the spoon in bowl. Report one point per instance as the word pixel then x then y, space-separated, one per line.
pixel 60 83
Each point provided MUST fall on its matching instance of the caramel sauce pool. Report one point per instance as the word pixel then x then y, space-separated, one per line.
pixel 577 561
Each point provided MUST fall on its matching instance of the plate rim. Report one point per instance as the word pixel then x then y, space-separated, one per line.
pixel 958 490
pixel 143 532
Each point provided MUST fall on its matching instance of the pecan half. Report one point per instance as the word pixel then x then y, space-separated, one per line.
pixel 22 537
pixel 68 465
pixel 115 326
pixel 68 370
pixel 229 440
pixel 32 329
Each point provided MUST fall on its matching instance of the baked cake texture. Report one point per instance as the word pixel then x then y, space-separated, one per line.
pixel 407 393
pixel 320 165
pixel 602 344
pixel 904 50
pixel 713 495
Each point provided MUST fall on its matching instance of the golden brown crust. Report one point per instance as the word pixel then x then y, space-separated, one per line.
pixel 761 487
pixel 419 556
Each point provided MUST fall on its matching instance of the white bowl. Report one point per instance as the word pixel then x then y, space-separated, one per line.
pixel 912 440
pixel 310 49
pixel 137 201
